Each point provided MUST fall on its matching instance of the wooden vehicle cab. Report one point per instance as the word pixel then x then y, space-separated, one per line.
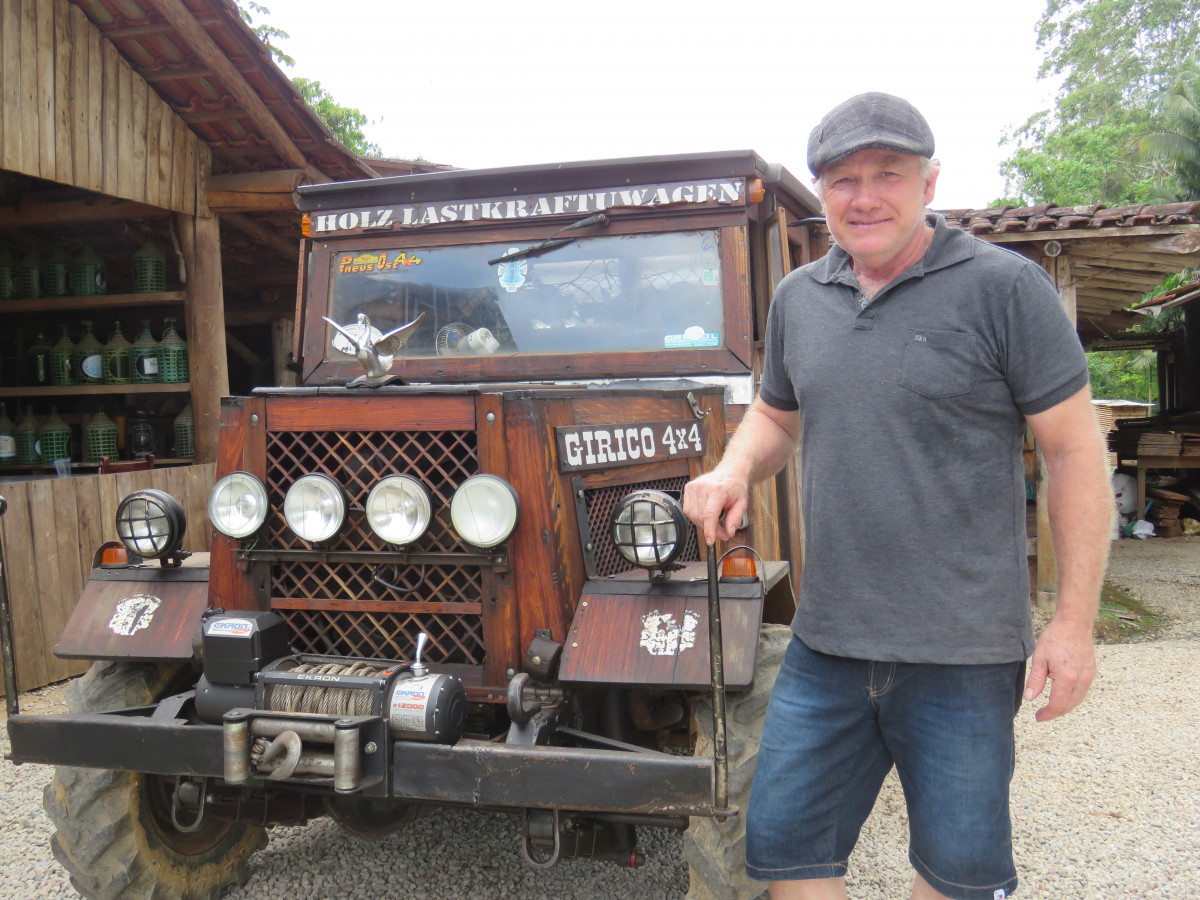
pixel 583 332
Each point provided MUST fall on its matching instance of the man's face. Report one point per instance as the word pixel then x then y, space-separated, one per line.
pixel 874 203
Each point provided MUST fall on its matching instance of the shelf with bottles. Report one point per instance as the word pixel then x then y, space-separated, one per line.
pixel 37 434
pixel 76 362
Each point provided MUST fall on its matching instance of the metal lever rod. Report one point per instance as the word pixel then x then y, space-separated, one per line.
pixel 720 752
pixel 6 637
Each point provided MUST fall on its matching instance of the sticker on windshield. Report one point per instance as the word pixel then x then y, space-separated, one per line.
pixel 695 336
pixel 512 274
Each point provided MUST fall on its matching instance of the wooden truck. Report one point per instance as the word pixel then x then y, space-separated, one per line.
pixel 451 567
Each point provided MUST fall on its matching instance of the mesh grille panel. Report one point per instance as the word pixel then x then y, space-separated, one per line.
pixel 600 503
pixel 357 460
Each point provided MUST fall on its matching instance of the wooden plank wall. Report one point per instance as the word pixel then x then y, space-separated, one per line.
pixel 52 528
pixel 73 111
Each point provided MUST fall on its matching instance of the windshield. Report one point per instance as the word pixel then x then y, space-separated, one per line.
pixel 638 292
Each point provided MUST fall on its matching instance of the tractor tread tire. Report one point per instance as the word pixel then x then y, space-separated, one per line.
pixel 106 839
pixel 716 851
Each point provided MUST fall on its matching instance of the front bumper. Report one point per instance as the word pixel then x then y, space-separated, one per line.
pixel 472 773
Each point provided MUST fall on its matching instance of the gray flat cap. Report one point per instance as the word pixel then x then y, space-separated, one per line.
pixel 872 121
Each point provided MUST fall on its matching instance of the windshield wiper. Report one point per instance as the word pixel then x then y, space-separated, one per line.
pixel 552 242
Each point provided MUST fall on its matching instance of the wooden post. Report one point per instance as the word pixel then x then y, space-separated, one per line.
pixel 200 238
pixel 1059 269
pixel 281 352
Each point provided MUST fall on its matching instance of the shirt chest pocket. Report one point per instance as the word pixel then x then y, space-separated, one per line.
pixel 939 364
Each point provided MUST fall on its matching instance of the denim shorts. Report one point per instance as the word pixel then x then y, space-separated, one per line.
pixel 835 727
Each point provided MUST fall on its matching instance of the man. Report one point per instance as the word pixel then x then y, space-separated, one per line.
pixel 909 361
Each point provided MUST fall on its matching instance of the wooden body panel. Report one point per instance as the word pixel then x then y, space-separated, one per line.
pixel 153 617
pixel 628 631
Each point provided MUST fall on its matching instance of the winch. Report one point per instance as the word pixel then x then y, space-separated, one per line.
pixel 276 705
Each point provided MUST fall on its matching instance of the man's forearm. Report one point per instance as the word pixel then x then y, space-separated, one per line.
pixel 762 445
pixel 1081 520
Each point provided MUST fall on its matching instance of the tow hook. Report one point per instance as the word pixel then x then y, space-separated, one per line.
pixel 193 795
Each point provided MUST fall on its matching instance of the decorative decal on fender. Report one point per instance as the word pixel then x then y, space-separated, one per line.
pixel 133 614
pixel 585 447
pixel 661 636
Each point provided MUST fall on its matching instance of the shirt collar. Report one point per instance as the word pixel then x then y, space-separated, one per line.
pixel 948 247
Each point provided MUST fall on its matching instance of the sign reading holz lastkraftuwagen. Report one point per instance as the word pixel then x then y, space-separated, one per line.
pixel 582 448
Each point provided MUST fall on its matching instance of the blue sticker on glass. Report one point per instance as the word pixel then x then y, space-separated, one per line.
pixel 695 336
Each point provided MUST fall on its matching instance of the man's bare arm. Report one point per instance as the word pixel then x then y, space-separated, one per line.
pixel 760 447
pixel 1081 517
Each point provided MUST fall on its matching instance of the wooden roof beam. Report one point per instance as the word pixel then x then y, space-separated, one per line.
pixel 96 209
pixel 198 39
pixel 288 250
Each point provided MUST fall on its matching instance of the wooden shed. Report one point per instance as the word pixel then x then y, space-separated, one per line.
pixel 1102 260
pixel 153 127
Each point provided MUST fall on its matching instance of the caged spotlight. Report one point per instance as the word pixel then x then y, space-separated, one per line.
pixel 151 524
pixel 649 530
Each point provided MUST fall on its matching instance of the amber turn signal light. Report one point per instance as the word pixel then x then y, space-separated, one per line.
pixel 739 568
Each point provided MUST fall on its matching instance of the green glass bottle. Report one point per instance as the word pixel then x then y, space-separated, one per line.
pixel 143 356
pixel 149 269
pixel 26 435
pixel 86 274
pixel 6 272
pixel 99 438
pixel 172 355
pixel 37 363
pixel 185 434
pixel 88 358
pixel 62 356
pixel 54 438
pixel 54 273
pixel 27 275
pixel 117 357
pixel 8 439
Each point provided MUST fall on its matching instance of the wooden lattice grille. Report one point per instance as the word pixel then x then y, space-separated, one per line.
pixel 600 503
pixel 357 460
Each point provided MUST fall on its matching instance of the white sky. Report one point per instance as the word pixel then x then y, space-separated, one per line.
pixel 479 83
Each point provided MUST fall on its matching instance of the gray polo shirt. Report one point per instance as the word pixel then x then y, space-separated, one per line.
pixel 912 420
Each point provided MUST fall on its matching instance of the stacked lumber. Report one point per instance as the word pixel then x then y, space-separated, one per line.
pixel 1164 511
pixel 1159 443
pixel 1191 444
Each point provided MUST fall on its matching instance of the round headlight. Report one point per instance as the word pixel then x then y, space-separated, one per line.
pixel 151 523
pixel 237 505
pixel 315 507
pixel 648 528
pixel 398 509
pixel 484 510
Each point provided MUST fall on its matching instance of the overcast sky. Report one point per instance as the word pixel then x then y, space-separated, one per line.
pixel 479 83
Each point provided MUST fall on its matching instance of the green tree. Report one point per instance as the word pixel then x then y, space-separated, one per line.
pixel 345 122
pixel 1176 149
pixel 1114 58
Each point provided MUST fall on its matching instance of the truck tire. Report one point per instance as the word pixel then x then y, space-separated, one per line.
pixel 115 836
pixel 716 851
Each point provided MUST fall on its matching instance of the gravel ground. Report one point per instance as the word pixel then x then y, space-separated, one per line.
pixel 1106 801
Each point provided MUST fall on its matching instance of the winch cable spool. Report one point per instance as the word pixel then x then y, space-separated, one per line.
pixel 325 700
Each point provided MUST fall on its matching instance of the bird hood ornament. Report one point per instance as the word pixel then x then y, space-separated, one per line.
pixel 374 350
